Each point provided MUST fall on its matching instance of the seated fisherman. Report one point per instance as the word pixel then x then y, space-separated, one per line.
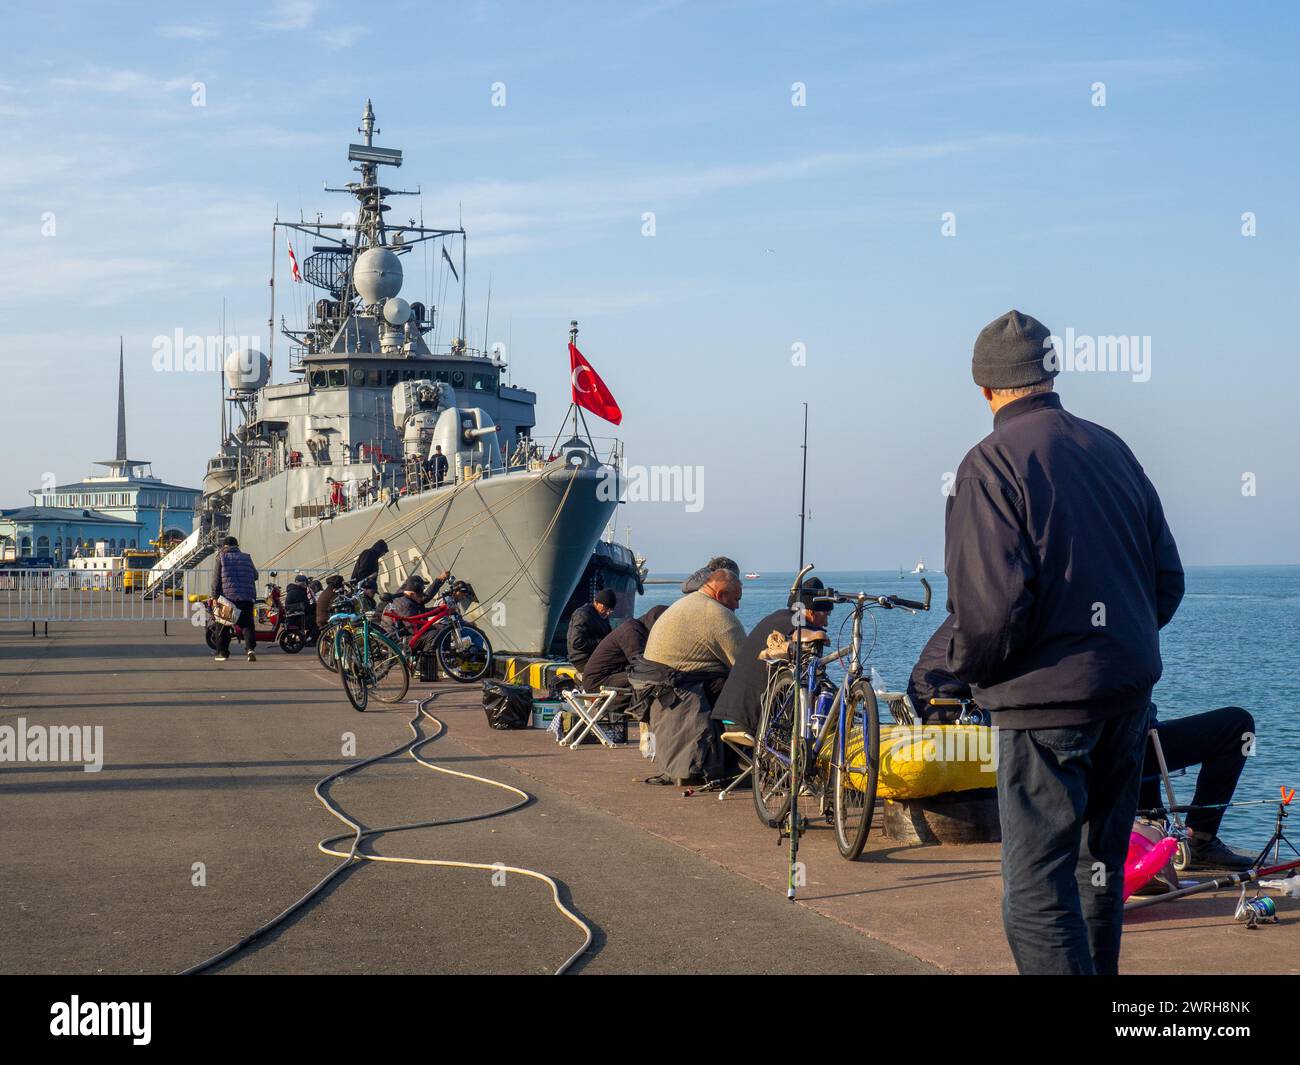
pixel 607 666
pixel 930 679
pixel 700 633
pixel 412 597
pixel 696 580
pixel 741 700
pixel 588 625
pixel 1215 740
pixel 325 600
pixel 688 655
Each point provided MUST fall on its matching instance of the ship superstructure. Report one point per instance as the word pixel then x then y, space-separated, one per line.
pixel 313 470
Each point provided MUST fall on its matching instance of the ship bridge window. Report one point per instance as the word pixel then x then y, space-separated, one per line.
pixel 483 382
pixel 376 378
pixel 320 379
pixel 441 375
pixel 392 377
pixel 338 379
pixel 358 376
pixel 458 378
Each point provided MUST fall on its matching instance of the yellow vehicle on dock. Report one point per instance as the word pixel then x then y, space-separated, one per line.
pixel 136 565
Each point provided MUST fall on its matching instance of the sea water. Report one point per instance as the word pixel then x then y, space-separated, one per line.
pixel 1233 642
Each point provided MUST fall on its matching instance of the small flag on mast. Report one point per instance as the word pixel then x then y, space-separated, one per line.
pixel 293 261
pixel 450 264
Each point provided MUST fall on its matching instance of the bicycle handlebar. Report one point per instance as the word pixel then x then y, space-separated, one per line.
pixel 888 602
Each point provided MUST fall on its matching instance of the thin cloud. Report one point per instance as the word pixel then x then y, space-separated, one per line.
pixel 292 15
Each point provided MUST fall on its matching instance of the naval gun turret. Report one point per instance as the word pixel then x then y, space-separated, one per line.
pixel 426 414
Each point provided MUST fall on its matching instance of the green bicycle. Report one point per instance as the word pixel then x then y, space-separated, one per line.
pixel 365 658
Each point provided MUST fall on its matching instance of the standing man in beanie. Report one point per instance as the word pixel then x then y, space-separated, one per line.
pixel 235 577
pixel 1061 573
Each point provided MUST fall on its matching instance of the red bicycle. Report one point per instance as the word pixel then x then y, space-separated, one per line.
pixel 463 651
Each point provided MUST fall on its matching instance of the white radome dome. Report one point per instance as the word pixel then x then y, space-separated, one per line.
pixel 378 275
pixel 246 370
pixel 397 311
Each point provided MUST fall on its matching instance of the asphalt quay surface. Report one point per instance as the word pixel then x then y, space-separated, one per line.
pixel 202 825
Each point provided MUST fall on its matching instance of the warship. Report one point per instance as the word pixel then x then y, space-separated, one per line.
pixel 314 470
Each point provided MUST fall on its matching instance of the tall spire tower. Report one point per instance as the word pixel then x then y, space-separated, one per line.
pixel 121 402
pixel 120 465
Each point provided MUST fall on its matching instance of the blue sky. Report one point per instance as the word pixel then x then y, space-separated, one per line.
pixel 775 226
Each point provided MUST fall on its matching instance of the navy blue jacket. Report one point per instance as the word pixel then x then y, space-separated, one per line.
pixel 235 576
pixel 1061 570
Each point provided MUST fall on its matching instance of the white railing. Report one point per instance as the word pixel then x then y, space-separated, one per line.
pixel 39 596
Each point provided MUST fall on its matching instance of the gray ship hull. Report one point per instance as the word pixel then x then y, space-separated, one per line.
pixel 521 539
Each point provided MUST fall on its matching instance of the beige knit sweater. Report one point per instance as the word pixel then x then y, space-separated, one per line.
pixel 696 634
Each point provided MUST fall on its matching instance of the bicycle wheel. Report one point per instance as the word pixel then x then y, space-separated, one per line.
pixel 771 780
pixel 325 647
pixel 464 653
pixel 351 669
pixel 388 675
pixel 856 770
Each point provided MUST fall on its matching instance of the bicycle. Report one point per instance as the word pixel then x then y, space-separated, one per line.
pixel 837 756
pixel 463 651
pixel 366 659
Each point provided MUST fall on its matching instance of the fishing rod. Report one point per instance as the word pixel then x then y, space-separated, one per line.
pixel 796 725
pixel 1246 877
pixel 1160 811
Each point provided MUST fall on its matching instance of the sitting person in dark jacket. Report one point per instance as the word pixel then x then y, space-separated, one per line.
pixel 741 700
pixel 1215 740
pixel 696 580
pixel 930 679
pixel 325 601
pixel 607 666
pixel 588 625
pixel 298 601
pixel 411 598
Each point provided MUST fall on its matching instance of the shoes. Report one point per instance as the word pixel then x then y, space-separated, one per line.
pixel 220 658
pixel 1215 854
pixel 252 656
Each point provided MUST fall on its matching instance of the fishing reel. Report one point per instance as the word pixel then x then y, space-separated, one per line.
pixel 1252 912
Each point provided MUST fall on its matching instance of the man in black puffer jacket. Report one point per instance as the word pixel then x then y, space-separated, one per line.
pixel 1061 573
pixel 608 664
pixel 588 625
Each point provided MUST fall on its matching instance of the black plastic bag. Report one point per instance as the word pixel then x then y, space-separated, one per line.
pixel 508 706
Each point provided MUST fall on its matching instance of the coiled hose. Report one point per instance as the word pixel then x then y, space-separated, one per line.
pixel 354 854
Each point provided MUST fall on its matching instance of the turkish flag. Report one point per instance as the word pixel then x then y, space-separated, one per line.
pixel 589 391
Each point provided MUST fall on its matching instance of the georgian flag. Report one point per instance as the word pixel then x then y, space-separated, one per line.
pixel 293 261
pixel 589 391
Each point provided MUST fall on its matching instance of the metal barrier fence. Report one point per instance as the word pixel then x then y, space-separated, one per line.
pixel 67 595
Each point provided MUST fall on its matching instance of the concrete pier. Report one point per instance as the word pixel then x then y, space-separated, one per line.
pixel 202 825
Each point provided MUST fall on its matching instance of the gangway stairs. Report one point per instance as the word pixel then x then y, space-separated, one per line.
pixel 184 556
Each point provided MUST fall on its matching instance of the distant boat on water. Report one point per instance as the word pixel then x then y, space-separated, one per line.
pixel 920 566
pixel 752 576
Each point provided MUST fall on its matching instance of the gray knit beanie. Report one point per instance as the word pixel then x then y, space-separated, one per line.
pixel 1013 351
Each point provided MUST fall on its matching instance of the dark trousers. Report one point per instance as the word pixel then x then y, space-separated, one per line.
pixel 1214 740
pixel 244 619
pixel 1066 802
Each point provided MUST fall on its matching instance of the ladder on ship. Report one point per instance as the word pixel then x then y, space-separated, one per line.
pixel 172 567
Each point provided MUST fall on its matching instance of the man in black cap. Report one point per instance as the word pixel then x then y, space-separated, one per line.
pixel 588 625
pixel 1061 572
pixel 741 700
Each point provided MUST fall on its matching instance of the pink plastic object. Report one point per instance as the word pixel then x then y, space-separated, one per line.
pixel 1145 859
